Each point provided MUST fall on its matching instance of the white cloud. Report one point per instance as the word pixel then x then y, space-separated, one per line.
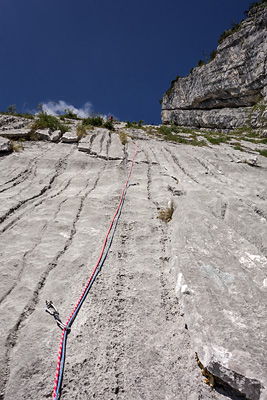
pixel 58 108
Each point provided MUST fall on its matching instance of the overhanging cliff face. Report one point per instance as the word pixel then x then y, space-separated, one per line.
pixel 224 93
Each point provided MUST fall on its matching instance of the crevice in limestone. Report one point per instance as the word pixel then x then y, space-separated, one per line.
pixel 21 177
pixel 12 338
pixel 176 161
pixel 28 252
pixel 101 142
pixel 108 144
pixel 60 167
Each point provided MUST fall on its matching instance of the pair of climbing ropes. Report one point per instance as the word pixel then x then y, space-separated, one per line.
pixel 50 307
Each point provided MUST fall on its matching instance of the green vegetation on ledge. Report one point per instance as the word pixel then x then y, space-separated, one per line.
pixel 45 121
pixel 97 120
pixel 12 110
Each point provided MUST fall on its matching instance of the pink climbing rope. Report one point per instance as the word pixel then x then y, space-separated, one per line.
pixel 92 275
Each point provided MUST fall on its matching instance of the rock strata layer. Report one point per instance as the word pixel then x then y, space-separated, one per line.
pixel 230 91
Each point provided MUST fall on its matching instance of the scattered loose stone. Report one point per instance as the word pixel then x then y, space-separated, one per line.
pixel 5 145
pixel 69 137
pixel 48 135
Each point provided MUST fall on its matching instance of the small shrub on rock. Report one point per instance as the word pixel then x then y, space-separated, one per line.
pixel 45 121
pixel 200 63
pixel 81 131
pixel 212 55
pixel 109 125
pixel 123 137
pixel 93 121
pixel 70 114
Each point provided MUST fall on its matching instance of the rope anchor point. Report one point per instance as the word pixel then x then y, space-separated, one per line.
pixel 52 310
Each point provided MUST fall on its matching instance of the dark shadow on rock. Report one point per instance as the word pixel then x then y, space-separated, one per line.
pixel 227 391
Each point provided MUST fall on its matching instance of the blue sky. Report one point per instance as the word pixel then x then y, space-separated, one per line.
pixel 111 57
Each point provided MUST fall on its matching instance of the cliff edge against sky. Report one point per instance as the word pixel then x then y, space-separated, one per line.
pixel 230 90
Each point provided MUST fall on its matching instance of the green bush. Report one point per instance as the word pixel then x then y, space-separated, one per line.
pixel 109 125
pixel 140 123
pixel 11 109
pixel 70 114
pixel 45 121
pixel 235 27
pixel 213 54
pixel 263 153
pixel 200 63
pixel 135 124
pixel 255 4
pixel 131 124
pixel 93 121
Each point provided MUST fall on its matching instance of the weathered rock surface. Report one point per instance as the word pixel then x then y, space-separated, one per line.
pixel 15 133
pixel 228 87
pixel 5 145
pixel 69 137
pixel 132 339
pixel 11 122
pixel 48 135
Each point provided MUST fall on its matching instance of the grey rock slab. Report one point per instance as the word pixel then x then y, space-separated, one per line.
pixel 56 135
pixel 5 145
pixel 141 156
pixel 98 140
pixel 115 148
pixel 69 137
pixel 15 133
pixel 44 134
pixel 104 145
pixel 48 135
pixel 129 339
pixel 221 283
pixel 85 144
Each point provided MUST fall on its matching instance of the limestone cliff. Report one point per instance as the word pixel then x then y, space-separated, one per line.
pixel 229 91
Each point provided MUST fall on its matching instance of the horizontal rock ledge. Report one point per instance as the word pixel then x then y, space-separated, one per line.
pixel 227 118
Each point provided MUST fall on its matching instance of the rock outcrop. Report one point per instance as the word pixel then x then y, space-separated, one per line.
pixel 69 137
pixel 48 135
pixel 133 339
pixel 5 145
pixel 230 91
pixel 12 122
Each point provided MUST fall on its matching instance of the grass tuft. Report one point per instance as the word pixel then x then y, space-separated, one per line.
pixel 263 152
pixel 81 131
pixel 217 140
pixel 123 137
pixel 16 147
pixel 165 214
